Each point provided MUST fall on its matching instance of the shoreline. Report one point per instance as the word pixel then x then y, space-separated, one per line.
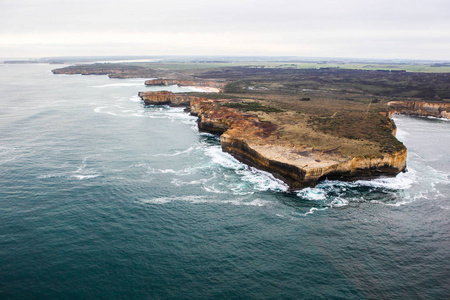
pixel 269 120
pixel 438 110
pixel 256 143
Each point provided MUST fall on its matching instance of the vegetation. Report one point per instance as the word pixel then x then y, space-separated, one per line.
pixel 359 126
pixel 252 106
pixel 430 86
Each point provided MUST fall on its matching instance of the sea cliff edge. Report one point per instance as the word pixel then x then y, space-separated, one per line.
pixel 257 143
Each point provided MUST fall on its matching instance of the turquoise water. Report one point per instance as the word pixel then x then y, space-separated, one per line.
pixel 101 197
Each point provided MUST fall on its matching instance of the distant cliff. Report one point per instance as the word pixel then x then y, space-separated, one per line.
pixel 166 98
pixel 420 108
pixel 199 83
pixel 112 70
pixel 258 143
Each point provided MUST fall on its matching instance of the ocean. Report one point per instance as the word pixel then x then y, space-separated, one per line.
pixel 104 198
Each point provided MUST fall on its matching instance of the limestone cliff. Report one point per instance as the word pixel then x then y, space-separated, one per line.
pixel 165 98
pixel 420 108
pixel 257 143
pixel 200 83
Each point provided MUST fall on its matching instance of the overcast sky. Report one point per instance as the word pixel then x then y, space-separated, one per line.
pixel 320 28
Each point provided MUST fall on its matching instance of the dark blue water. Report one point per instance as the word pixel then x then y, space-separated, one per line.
pixel 101 197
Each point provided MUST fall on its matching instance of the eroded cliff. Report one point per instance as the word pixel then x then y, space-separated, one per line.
pixel 165 98
pixel 269 146
pixel 197 83
pixel 420 108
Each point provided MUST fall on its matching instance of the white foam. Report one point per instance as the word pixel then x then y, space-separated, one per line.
pixel 314 194
pixel 50 176
pixel 173 114
pixel 99 109
pixel 313 209
pixel 339 202
pixel 264 181
pixel 176 153
pixel 135 98
pixel 332 193
pixel 183 172
pixel 84 172
pixel 401 182
pixel 401 134
pixel 261 180
pixel 82 177
pixel 209 135
pixel 240 189
pixel 257 202
pixel 202 200
pixel 178 182
pixel 122 84
pixel 435 118
pixel 214 189
pixel 224 159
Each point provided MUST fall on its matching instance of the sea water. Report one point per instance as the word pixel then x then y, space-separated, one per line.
pixel 102 197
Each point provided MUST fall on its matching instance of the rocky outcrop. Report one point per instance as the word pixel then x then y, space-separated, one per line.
pixel 201 83
pixel 166 98
pixel 420 108
pixel 257 143
pixel 306 169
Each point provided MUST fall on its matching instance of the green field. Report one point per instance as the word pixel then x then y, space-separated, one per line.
pixel 427 68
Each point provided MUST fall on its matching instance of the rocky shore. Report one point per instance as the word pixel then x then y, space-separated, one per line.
pixel 420 108
pixel 258 143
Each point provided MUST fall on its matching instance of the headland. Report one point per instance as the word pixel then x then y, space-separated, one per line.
pixel 302 125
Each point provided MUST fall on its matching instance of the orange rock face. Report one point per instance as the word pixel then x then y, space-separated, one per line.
pixel 256 143
pixel 165 98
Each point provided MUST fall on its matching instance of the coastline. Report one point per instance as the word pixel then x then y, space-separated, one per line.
pixel 257 143
pixel 420 108
pixel 268 124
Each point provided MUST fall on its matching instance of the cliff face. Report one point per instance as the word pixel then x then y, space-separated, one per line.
pixel 305 170
pixel 420 108
pixel 165 98
pixel 201 83
pixel 256 143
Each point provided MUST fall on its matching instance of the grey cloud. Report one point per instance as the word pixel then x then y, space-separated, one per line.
pixel 285 21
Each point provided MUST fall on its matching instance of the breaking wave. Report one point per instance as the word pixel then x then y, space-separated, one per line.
pixel 120 85
pixel 260 180
pixel 85 172
pixel 206 200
